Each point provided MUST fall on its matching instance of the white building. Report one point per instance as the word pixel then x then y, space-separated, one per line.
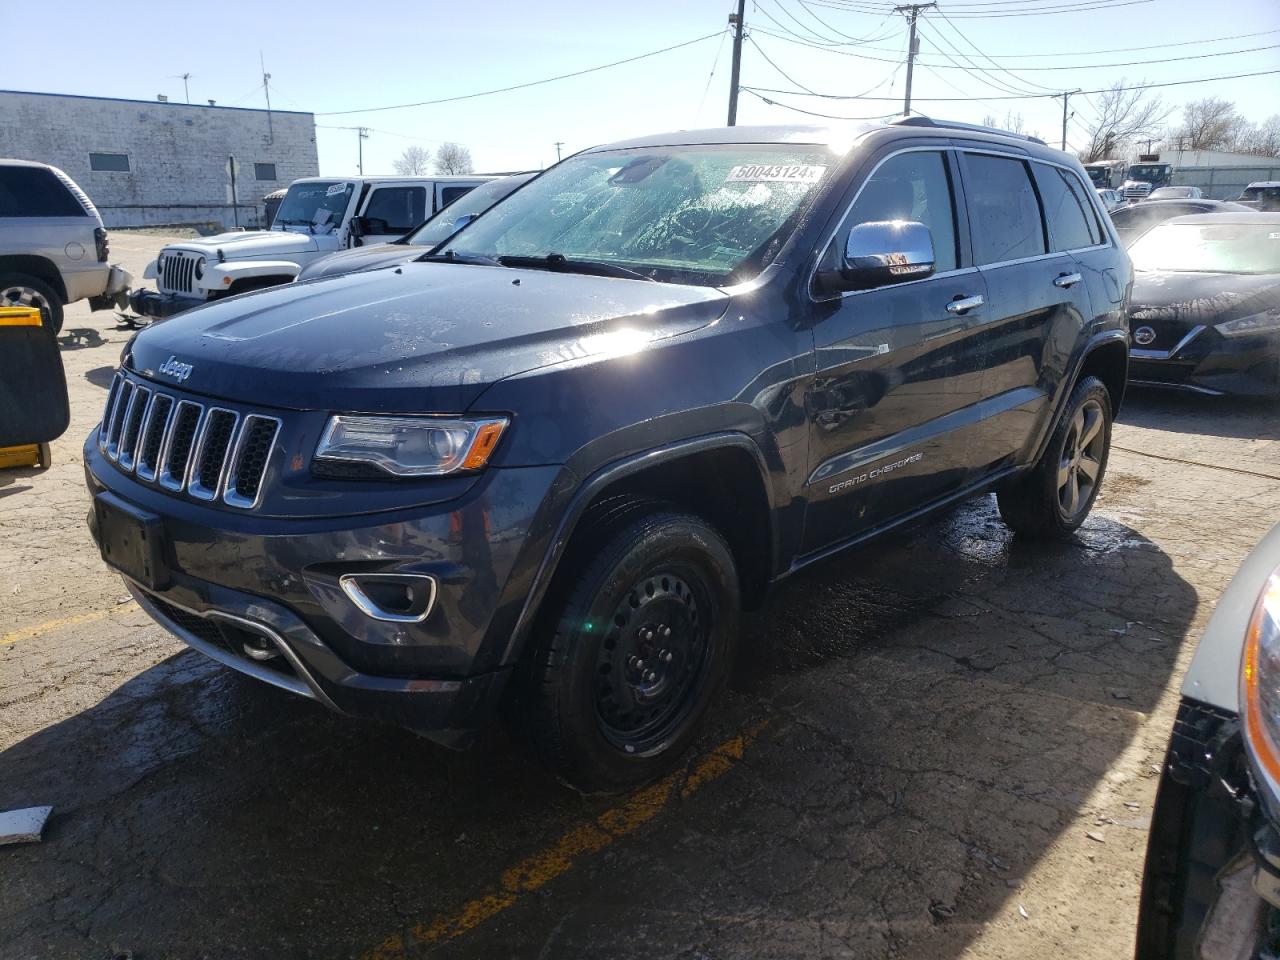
pixel 146 162
pixel 1215 158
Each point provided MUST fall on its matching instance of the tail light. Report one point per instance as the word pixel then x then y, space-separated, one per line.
pixel 100 241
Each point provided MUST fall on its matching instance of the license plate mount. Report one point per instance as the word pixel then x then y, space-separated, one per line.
pixel 131 541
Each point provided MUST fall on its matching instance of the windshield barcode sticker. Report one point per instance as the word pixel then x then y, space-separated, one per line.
pixel 776 173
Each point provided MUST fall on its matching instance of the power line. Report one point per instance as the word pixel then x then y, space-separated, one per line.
pixel 813 113
pixel 1027 96
pixel 1026 85
pixel 522 86
pixel 974 14
pixel 1081 66
pixel 1070 53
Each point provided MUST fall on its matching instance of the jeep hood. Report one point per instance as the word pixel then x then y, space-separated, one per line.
pixel 242 245
pixel 424 337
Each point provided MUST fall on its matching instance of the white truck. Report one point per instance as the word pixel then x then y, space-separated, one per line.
pixel 318 216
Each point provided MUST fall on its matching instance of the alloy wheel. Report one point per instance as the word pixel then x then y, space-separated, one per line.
pixel 1081 462
pixel 19 296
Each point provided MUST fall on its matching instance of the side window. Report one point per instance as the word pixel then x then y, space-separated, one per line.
pixel 910 186
pixel 401 207
pixel 1068 219
pixel 450 194
pixel 1004 213
pixel 34 192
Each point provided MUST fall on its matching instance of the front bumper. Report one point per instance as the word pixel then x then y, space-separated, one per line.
pixel 152 303
pixel 1211 886
pixel 263 594
pixel 1207 362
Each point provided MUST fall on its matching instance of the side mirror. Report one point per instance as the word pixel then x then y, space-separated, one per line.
pixel 356 228
pixel 882 252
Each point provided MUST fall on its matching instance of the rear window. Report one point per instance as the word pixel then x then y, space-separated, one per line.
pixel 35 192
pixel 1071 222
pixel 1004 213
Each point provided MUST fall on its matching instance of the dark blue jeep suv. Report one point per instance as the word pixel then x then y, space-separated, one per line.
pixel 546 467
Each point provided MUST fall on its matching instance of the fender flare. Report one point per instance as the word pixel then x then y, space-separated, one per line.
pixel 1114 335
pixel 597 481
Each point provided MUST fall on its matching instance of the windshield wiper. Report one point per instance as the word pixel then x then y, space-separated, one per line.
pixel 450 256
pixel 560 263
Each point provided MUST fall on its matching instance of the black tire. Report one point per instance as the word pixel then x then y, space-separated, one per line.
pixel 657 583
pixel 22 289
pixel 1038 504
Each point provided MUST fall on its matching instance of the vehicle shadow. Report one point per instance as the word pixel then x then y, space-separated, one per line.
pixel 936 710
pixel 80 338
pixel 1248 418
pixel 101 376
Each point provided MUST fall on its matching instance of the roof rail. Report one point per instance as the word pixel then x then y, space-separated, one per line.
pixel 922 121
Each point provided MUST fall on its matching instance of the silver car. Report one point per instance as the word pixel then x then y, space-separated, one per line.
pixel 53 247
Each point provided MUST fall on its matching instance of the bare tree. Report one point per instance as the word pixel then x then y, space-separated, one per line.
pixel 1124 117
pixel 1012 122
pixel 1264 139
pixel 414 162
pixel 453 158
pixel 1211 124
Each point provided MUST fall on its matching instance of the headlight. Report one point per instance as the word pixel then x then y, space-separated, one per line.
pixel 1260 681
pixel 199 268
pixel 412 446
pixel 1268 321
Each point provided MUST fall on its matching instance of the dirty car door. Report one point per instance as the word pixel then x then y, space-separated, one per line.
pixel 899 371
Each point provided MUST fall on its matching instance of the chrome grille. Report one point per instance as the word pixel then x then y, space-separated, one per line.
pixel 177 272
pixel 209 453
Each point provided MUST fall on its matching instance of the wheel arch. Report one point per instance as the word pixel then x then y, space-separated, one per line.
pixel 41 268
pixel 721 477
pixel 1107 360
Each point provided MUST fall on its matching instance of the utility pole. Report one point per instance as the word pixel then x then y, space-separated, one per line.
pixel 559 144
pixel 913 46
pixel 738 22
pixel 362 134
pixel 266 89
pixel 1064 95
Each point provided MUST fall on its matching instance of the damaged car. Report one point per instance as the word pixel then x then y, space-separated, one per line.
pixel 1205 312
pixel 1211 886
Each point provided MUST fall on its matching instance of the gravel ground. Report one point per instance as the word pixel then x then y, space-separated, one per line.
pixel 919 741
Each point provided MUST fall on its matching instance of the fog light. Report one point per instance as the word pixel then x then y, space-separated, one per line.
pixel 393 597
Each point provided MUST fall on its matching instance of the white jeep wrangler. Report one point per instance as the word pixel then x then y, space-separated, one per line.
pixel 317 216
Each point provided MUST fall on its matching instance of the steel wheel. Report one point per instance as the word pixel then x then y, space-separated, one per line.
pixel 651 663
pixel 1082 456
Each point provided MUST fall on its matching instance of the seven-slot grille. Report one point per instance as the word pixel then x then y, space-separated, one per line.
pixel 209 452
pixel 177 272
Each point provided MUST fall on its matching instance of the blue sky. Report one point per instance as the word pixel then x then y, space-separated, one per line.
pixel 329 56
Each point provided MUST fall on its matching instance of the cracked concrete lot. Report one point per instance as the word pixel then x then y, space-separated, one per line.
pixel 921 743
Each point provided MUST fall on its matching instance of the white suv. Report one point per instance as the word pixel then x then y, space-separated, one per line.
pixel 318 216
pixel 53 247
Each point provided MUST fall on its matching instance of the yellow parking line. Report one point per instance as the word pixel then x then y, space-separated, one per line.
pixel 26 633
pixel 537 870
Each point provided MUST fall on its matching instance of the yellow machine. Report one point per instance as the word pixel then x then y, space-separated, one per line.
pixel 22 326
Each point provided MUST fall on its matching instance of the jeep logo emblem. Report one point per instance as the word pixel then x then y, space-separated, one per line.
pixel 1143 336
pixel 173 367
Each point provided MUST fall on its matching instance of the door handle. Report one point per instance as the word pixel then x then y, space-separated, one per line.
pixel 962 305
pixel 1065 280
